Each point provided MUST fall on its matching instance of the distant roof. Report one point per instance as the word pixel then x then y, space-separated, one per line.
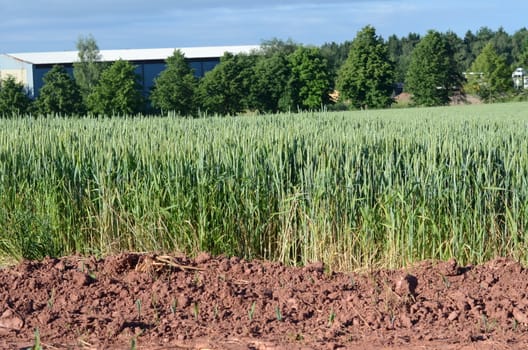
pixel 131 54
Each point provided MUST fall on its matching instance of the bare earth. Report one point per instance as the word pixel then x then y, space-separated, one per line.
pixel 145 301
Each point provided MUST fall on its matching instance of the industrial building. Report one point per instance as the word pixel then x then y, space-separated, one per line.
pixel 30 68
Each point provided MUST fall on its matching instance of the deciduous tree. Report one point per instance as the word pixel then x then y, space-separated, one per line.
pixel 270 47
pixel 269 87
pixel 433 75
pixel 59 94
pixel 88 69
pixel 490 76
pixel 366 78
pixel 221 90
pixel 175 88
pixel 118 91
pixel 310 81
pixel 520 48
pixel 13 98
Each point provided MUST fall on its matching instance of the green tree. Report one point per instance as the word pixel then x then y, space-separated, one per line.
pixel 310 82
pixel 246 63
pixel 522 60
pixel 400 51
pixel 433 76
pixel 13 98
pixel 118 91
pixel 490 76
pixel 520 48
pixel 468 40
pixel 88 69
pixel 481 38
pixel 335 54
pixel 272 46
pixel 367 76
pixel 59 94
pixel 395 50
pixel 269 87
pixel 503 45
pixel 221 90
pixel 459 49
pixel 175 87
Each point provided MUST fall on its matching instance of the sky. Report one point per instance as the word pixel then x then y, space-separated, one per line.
pixel 56 25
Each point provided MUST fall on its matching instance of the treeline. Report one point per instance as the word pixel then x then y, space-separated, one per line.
pixel 286 76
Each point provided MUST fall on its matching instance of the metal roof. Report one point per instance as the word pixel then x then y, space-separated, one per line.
pixel 58 57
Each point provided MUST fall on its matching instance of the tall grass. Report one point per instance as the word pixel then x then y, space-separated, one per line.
pixel 353 189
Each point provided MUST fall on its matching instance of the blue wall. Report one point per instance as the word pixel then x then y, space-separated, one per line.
pixel 202 66
pixel 146 70
pixel 38 74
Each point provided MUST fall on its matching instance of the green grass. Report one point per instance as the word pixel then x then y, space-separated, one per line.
pixel 352 189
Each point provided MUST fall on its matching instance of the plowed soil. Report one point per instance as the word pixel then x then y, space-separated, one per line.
pixel 145 301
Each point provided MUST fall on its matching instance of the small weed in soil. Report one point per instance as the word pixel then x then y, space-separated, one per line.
pixel 331 318
pixel 89 272
pixel 173 306
pixel 133 344
pixel 251 311
pixel 154 305
pixel 215 312
pixel 488 325
pixel 446 282
pixel 36 344
pixel 278 313
pixel 138 308
pixel 51 299
pixel 196 311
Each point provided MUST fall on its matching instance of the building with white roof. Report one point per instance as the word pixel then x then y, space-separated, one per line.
pixel 29 68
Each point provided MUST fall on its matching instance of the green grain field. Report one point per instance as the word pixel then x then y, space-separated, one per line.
pixel 352 189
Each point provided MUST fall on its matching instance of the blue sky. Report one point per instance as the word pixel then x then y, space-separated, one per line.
pixel 55 25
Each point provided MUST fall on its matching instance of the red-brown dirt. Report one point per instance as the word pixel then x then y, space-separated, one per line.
pixel 145 301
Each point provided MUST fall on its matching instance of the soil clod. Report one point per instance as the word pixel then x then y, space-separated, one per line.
pixel 229 303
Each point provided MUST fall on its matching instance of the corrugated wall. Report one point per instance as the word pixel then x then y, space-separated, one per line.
pixel 20 70
pixel 32 75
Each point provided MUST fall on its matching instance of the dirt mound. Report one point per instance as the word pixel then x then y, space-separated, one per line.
pixel 405 98
pixel 155 302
